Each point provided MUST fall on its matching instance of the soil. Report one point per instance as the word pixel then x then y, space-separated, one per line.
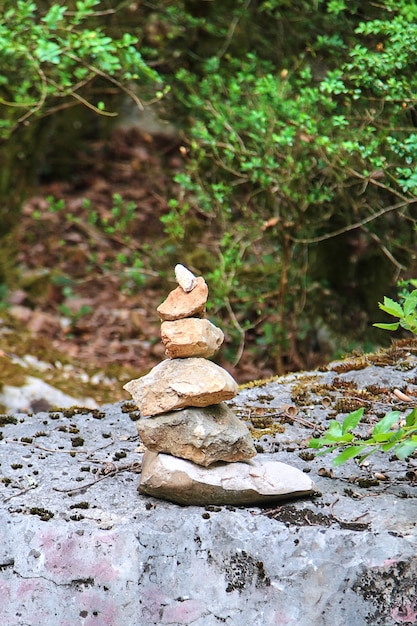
pixel 77 302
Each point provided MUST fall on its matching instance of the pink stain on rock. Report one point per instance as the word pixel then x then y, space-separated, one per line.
pixel 72 557
pixel 152 602
pixel 30 587
pixel 405 614
pixel 5 590
pixel 184 612
pixel 100 611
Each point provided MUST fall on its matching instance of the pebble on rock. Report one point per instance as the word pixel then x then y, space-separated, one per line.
pixel 191 337
pixel 202 435
pixel 186 279
pixel 178 383
pixel 180 304
pixel 248 483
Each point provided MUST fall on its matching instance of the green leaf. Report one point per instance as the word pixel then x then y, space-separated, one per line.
pixel 384 425
pixel 348 453
pixel 346 438
pixel 404 449
pixel 352 420
pixel 365 456
pixel 382 437
pixel 391 307
pixel 409 322
pixel 410 305
pixel 393 326
pixel 411 419
pixel 387 446
pixel 327 450
pixel 317 443
pixel 48 51
pixel 397 435
pixel 54 15
pixel 334 430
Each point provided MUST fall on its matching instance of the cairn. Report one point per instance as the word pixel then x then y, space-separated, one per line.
pixel 198 450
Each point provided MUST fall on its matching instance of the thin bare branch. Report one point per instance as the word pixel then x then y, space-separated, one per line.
pixel 231 32
pixel 111 79
pixel 359 224
pixel 88 104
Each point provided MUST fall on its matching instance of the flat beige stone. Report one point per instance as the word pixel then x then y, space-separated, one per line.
pixel 203 435
pixel 178 383
pixel 250 483
pixel 191 337
pixel 180 304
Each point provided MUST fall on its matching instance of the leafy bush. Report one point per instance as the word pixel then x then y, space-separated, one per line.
pixel 285 157
pixel 406 311
pixel 52 56
pixel 300 132
pixel 116 227
pixel 394 433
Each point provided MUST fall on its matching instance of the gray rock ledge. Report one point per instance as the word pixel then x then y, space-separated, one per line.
pixel 79 545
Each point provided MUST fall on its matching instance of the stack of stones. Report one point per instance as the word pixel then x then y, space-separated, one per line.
pixel 198 450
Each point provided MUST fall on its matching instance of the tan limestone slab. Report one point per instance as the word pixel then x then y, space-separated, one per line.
pixel 191 337
pixel 255 482
pixel 180 304
pixel 203 435
pixel 178 383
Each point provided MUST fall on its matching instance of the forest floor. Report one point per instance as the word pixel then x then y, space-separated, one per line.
pixel 83 302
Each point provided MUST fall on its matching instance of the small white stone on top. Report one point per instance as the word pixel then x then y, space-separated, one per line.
pixel 185 278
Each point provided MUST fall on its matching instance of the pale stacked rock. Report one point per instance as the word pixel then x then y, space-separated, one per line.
pixel 184 415
pixel 183 396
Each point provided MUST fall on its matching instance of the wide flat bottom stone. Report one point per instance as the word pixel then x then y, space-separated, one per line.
pixel 257 481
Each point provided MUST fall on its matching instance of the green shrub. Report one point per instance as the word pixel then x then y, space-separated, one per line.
pixel 406 311
pixel 125 257
pixel 53 58
pixel 50 58
pixel 395 433
pixel 284 157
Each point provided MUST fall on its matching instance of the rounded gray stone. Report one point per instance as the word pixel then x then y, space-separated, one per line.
pixel 203 435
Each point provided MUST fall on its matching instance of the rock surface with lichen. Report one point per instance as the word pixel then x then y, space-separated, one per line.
pixel 79 543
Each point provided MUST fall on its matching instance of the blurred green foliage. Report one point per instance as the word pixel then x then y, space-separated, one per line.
pixel 292 142
pixel 405 310
pixel 55 57
pixel 395 433
pixel 51 55
pixel 299 193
